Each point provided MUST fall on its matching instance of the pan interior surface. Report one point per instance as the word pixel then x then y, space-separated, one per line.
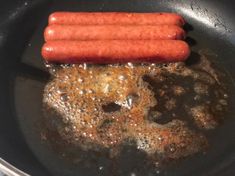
pixel 24 76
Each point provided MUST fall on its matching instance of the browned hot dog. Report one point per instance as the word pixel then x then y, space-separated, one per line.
pixel 115 51
pixel 115 18
pixel 113 32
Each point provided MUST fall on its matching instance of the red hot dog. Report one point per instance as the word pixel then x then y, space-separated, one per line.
pixel 115 18
pixel 113 32
pixel 115 51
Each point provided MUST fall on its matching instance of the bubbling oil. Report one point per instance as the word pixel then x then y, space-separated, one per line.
pixel 159 109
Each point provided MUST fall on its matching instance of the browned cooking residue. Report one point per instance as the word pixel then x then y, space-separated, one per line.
pixel 152 105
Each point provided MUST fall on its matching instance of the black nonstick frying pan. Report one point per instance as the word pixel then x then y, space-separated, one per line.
pixel 23 76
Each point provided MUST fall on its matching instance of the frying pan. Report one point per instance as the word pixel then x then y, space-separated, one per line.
pixel 23 76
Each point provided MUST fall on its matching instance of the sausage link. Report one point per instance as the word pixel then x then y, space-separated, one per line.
pixel 115 18
pixel 113 32
pixel 115 51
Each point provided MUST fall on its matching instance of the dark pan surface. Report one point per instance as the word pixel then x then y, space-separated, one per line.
pixel 23 76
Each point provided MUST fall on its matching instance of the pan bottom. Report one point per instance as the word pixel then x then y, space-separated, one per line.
pixel 31 78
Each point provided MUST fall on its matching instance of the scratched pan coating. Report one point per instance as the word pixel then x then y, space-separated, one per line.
pixel 23 77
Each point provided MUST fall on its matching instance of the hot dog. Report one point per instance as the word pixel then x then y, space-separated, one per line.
pixel 115 51
pixel 115 18
pixel 113 32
